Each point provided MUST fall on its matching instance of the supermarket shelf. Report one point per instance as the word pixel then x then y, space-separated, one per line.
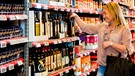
pixel 66 69
pixel 129 16
pixel 62 8
pixel 85 53
pixel 13 17
pixel 93 69
pixel 10 65
pixel 12 41
pixel 53 41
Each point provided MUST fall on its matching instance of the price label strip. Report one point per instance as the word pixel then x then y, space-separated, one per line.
pixel 13 42
pixel 23 40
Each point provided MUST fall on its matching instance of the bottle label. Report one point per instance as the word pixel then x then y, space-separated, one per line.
pixel 51 62
pixel 54 63
pixel 63 61
pixel 59 59
pixel 67 60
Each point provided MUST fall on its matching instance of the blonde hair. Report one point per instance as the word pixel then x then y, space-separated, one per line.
pixel 116 12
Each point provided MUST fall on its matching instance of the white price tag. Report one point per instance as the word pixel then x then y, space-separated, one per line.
pixel 62 9
pixel 56 8
pixel 88 53
pixel 76 10
pixel 96 12
pixel 94 51
pixel 25 17
pixel 81 11
pixel 17 17
pixel 77 38
pixel 45 7
pixel 13 42
pixel 38 5
pixel 23 40
pixel 59 41
pixel 12 17
pixel 68 10
pixel 38 45
pixel 85 54
pixel 91 12
pixel 11 66
pixel 67 71
pixel 55 42
pixel 3 69
pixel 81 55
pixel 3 44
pixel 88 73
pixel 64 40
pixel 19 63
pixel 72 10
pixel 74 67
pixel 68 40
pixel 46 43
pixel 84 74
pixel 61 73
pixel 3 18
pixel 93 70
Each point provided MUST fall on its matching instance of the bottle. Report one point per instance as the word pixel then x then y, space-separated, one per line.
pixel 54 59
pixel 63 57
pixel 61 26
pixel 55 25
pixel 67 57
pixel 59 59
pixel 70 52
pixel 49 26
pixel 43 23
pixel 70 24
pixel 37 23
pixel 50 53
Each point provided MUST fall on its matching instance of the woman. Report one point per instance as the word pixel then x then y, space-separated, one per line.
pixel 114 35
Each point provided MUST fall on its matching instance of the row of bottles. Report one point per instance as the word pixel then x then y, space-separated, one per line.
pixel 8 9
pixel 47 59
pixel 7 31
pixel 11 53
pixel 88 4
pixel 54 25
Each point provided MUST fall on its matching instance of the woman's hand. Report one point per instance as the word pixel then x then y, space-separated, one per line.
pixel 106 44
pixel 73 15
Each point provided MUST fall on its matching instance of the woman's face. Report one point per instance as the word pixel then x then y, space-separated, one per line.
pixel 107 16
